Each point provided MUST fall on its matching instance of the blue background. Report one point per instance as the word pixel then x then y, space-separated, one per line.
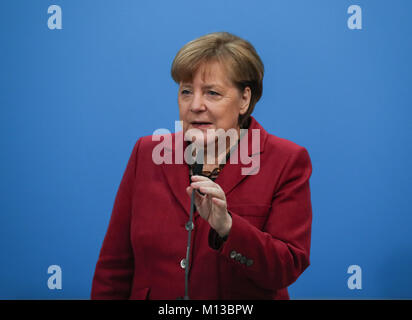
pixel 74 101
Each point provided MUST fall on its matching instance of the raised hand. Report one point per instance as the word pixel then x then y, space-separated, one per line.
pixel 212 205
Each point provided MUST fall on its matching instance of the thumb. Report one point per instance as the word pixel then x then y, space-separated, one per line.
pixel 198 198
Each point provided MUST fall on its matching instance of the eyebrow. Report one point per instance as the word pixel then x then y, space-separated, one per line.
pixel 207 86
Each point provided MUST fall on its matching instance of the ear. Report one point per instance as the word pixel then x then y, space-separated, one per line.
pixel 245 97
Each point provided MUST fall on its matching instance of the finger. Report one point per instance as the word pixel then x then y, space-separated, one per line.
pixel 200 178
pixel 209 183
pixel 213 192
pixel 198 200
pixel 219 202
pixel 190 189
pixel 197 188
pixel 203 180
pixel 198 197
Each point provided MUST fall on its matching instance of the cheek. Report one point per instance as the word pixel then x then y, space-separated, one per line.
pixel 183 116
pixel 229 118
pixel 182 109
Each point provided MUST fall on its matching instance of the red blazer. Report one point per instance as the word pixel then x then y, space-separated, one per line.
pixel 267 248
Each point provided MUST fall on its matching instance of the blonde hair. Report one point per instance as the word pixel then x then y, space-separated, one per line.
pixel 243 65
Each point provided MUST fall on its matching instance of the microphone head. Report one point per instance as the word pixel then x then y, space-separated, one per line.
pixel 197 169
pixel 197 166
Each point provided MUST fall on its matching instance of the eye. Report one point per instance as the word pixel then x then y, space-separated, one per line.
pixel 213 93
pixel 184 92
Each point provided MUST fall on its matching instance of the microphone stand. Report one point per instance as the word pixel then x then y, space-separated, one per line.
pixel 197 170
pixel 190 224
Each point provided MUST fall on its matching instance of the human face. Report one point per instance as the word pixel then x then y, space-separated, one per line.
pixel 211 101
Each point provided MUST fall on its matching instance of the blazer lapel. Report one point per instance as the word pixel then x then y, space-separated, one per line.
pixel 177 174
pixel 232 173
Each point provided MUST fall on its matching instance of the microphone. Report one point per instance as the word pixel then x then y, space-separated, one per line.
pixel 197 170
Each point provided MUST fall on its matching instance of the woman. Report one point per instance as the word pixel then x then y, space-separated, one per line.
pixel 250 237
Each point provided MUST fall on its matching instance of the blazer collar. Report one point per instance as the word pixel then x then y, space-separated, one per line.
pixel 177 174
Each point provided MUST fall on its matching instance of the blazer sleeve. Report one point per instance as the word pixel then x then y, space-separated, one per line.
pixel 114 269
pixel 273 258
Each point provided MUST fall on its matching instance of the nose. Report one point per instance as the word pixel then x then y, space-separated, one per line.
pixel 197 103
